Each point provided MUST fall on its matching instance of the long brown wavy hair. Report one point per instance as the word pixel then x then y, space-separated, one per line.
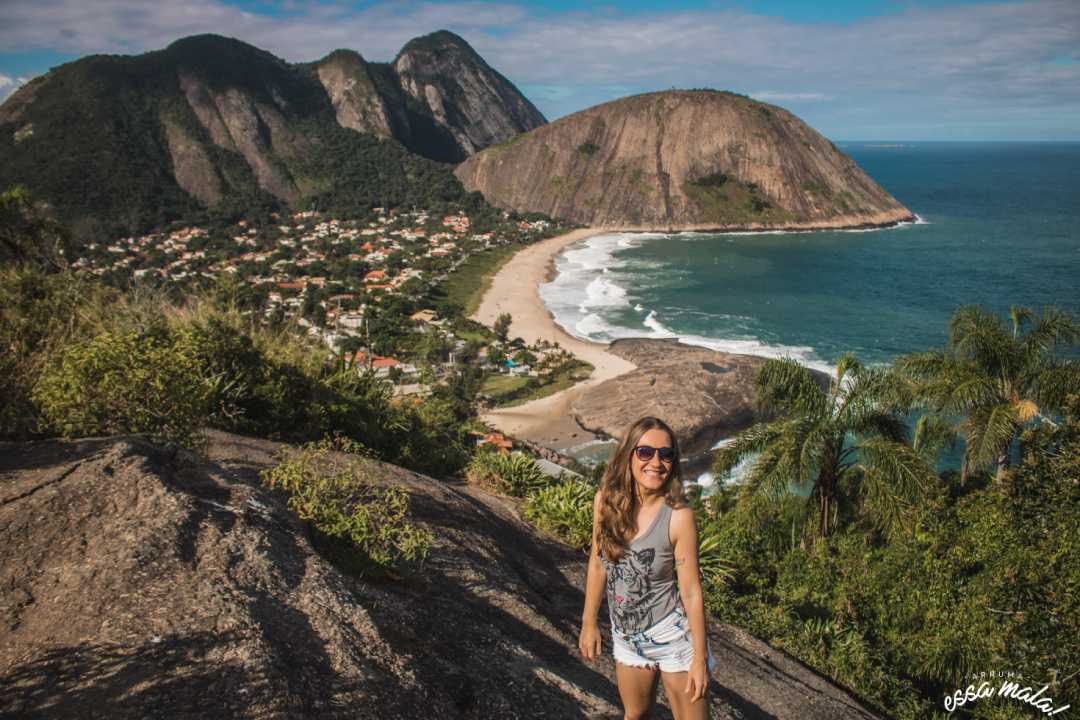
pixel 618 509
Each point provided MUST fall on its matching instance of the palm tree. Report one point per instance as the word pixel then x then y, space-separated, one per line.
pixel 996 379
pixel 807 442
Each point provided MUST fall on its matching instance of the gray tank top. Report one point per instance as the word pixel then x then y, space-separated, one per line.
pixel 641 587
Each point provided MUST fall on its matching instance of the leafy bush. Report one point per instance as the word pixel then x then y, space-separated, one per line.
pixel 80 358
pixel 135 382
pixel 38 319
pixel 358 525
pixel 716 569
pixel 565 510
pixel 515 474
pixel 484 468
pixel 522 475
pixel 717 179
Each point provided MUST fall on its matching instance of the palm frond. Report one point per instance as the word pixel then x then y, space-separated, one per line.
pixel 978 335
pixel 811 448
pixel 971 391
pixel 894 477
pixel 754 439
pixel 846 364
pixel 932 375
pixel 1026 410
pixel 1051 386
pixel 932 434
pixel 1019 315
pixel 922 365
pixel 996 427
pixel 1054 327
pixel 785 387
pixel 879 423
pixel 766 477
pixel 716 568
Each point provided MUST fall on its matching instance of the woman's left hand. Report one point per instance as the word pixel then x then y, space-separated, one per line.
pixel 697 680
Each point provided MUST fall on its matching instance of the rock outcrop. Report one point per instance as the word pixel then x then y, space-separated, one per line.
pixel 704 395
pixel 140 582
pixel 462 93
pixel 682 160
pixel 357 102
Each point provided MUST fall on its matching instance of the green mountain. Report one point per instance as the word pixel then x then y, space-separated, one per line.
pixel 120 144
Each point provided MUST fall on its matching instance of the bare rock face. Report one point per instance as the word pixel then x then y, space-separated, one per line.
pixel 682 160
pixel 193 170
pixel 462 93
pixel 140 582
pixel 703 394
pixel 257 130
pixel 352 92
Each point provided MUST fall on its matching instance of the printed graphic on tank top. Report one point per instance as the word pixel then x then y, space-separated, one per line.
pixel 641 586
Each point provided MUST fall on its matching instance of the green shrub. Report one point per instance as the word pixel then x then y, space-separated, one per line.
pixel 716 569
pixel 485 467
pixel 359 525
pixel 515 474
pixel 40 315
pixel 565 510
pixel 717 179
pixel 135 382
pixel 522 475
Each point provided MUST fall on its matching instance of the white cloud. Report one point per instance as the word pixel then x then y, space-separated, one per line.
pixel 8 85
pixel 951 64
pixel 779 96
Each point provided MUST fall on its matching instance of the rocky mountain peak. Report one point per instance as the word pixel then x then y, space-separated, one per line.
pixel 682 160
pixel 349 82
pixel 463 94
pixel 440 41
pixel 211 119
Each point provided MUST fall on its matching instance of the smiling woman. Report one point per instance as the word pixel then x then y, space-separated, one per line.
pixel 656 622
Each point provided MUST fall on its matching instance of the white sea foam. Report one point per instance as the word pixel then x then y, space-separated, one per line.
pixel 705 479
pixel 603 292
pixel 591 326
pixel 698 235
pixel 742 346
pixel 586 288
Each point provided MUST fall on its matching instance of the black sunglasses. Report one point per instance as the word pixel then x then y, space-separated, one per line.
pixel 645 453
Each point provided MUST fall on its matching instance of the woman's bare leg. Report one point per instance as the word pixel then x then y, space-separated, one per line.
pixel 681 707
pixel 637 688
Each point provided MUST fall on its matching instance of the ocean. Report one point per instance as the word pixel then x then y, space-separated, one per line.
pixel 999 224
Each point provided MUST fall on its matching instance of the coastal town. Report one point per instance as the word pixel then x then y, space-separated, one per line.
pixel 371 291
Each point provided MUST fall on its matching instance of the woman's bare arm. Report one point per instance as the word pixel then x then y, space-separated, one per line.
pixel 597 575
pixel 685 543
pixel 589 641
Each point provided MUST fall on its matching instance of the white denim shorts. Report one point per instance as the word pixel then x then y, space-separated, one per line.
pixel 668 644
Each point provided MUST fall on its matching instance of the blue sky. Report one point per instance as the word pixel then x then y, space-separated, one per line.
pixel 853 69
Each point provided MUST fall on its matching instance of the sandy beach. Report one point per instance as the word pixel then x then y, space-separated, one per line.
pixel 513 290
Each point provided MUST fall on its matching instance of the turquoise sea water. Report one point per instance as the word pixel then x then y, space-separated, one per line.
pixel 999 225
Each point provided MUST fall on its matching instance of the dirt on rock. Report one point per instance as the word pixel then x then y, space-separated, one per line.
pixel 145 582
